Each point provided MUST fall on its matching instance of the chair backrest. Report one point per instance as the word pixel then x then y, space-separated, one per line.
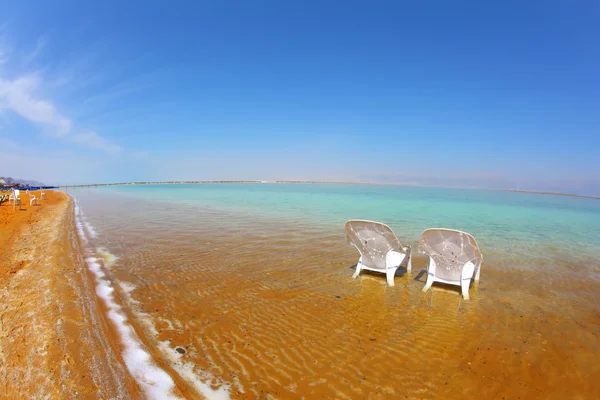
pixel 373 240
pixel 16 193
pixel 451 250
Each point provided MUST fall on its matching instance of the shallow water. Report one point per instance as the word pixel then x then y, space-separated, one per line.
pixel 248 288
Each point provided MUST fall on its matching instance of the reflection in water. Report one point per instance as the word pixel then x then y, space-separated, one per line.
pixel 264 307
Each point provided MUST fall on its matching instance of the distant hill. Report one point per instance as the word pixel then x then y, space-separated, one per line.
pixel 11 181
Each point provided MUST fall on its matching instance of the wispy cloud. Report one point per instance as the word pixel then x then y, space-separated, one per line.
pixel 91 139
pixel 19 96
pixel 38 48
pixel 20 93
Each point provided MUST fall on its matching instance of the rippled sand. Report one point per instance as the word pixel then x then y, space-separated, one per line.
pixel 268 309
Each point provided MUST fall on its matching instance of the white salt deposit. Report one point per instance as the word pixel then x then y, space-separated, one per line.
pixel 155 382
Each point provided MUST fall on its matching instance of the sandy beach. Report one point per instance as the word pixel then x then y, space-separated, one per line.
pixel 54 341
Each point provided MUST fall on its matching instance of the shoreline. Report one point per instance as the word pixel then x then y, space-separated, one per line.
pixel 300 182
pixel 155 377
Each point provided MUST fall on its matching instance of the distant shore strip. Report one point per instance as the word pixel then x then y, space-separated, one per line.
pixel 324 183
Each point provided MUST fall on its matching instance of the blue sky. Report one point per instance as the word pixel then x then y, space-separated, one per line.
pixel 461 93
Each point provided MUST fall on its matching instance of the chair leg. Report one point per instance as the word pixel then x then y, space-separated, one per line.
pixel 390 273
pixel 358 268
pixel 409 263
pixel 430 274
pixel 464 286
pixel 429 282
pixel 477 273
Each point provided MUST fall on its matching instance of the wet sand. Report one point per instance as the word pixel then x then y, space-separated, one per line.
pixel 54 341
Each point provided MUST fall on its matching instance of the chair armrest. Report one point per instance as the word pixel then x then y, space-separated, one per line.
pixel 467 270
pixel 393 259
pixel 470 268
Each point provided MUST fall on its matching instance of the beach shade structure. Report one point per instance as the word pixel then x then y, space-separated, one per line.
pixel 32 199
pixel 454 258
pixel 380 250
pixel 14 197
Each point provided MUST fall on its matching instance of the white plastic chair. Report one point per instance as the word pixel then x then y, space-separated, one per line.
pixel 14 197
pixel 43 194
pixel 454 258
pixel 380 250
pixel 32 199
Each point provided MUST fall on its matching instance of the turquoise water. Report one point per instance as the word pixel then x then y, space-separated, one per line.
pixel 505 224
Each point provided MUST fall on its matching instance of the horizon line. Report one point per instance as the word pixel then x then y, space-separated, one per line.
pixel 225 181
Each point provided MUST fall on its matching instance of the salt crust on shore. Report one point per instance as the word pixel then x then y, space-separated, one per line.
pixel 155 382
